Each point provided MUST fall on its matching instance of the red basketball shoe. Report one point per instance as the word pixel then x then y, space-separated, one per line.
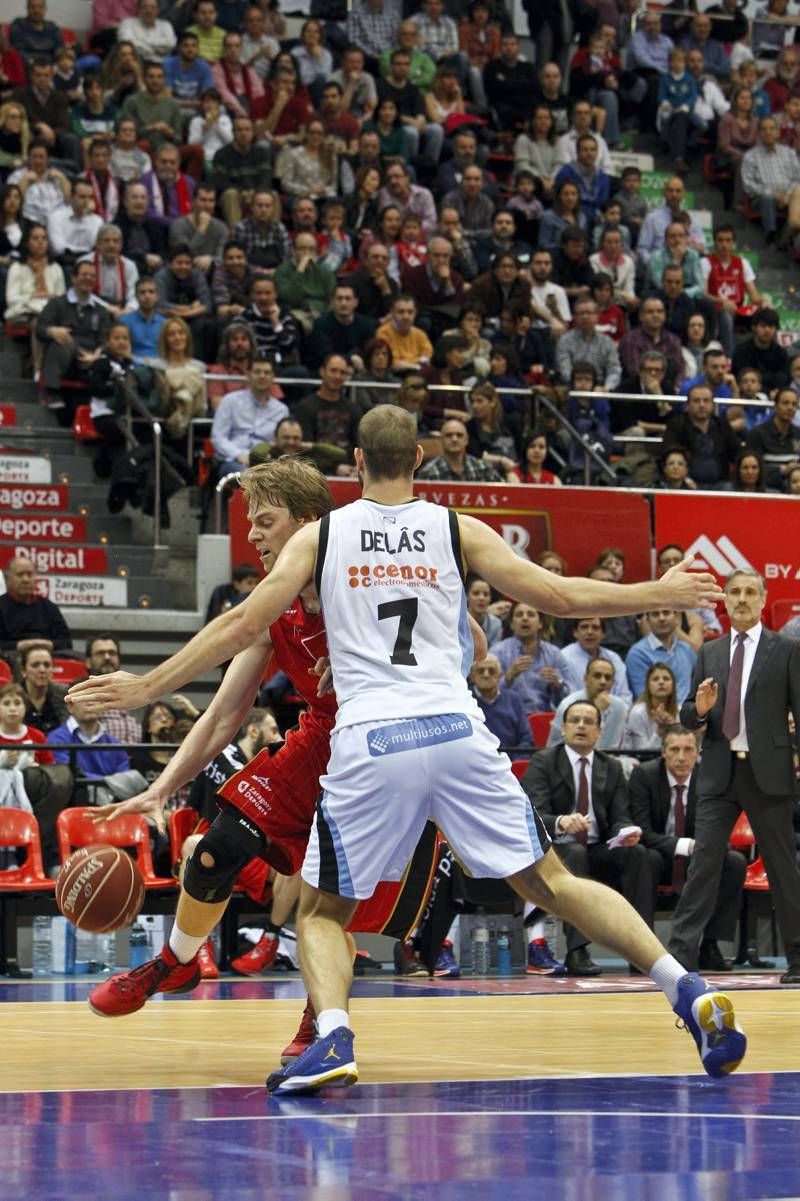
pixel 129 991
pixel 304 1037
pixel 205 958
pixel 260 959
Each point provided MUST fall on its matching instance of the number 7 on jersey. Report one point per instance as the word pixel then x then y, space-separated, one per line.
pixel 406 610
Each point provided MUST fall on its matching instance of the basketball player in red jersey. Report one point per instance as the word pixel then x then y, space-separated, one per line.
pixel 269 805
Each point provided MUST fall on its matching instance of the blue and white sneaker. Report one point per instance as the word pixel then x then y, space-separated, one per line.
pixel 709 1017
pixel 328 1063
pixel 446 963
pixel 541 961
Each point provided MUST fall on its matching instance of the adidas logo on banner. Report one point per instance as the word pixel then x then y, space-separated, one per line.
pixel 722 557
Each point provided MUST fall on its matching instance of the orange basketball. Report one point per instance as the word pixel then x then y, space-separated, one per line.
pixel 100 889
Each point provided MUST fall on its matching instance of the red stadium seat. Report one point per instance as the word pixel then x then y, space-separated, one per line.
pixel 20 829
pixel 6 674
pixel 540 724
pixel 519 767
pixel 742 836
pixel 75 828
pixel 68 671
pixel 180 824
pixel 83 426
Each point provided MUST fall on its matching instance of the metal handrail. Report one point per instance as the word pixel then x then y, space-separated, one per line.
pixel 655 397
pixel 589 453
pixel 218 493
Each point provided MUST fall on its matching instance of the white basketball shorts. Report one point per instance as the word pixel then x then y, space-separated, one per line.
pixel 386 779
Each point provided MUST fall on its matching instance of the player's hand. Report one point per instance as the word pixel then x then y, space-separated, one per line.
pixel 706 696
pixel 691 589
pixel 119 690
pixel 322 668
pixel 150 804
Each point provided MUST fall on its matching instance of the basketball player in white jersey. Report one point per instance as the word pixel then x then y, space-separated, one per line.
pixel 410 743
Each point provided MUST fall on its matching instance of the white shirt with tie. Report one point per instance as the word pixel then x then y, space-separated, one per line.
pixel 751 637
pixel 684 845
pixel 593 834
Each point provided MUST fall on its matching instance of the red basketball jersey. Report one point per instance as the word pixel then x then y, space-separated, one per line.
pixel 298 640
pixel 727 282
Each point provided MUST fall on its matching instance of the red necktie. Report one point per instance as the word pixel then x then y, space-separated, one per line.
pixel 583 798
pixel 679 861
pixel 733 696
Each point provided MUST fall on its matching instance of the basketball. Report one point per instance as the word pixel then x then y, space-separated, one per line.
pixel 100 889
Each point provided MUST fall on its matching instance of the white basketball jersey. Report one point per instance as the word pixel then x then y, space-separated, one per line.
pixel 392 592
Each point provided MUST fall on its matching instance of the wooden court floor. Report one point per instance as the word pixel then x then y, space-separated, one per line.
pixel 62 1045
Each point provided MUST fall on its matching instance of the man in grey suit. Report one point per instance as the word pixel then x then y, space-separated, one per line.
pixel 582 817
pixel 743 688
pixel 663 796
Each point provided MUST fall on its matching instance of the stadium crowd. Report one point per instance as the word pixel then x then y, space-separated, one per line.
pixel 211 218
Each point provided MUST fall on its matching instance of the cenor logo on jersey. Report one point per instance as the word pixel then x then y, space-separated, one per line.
pixel 382 575
pixel 394 544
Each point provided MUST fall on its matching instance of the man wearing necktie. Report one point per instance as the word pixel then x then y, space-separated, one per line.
pixel 582 798
pixel 663 796
pixel 744 687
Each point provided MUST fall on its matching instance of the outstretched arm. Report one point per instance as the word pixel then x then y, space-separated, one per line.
pixel 232 632
pixel 492 558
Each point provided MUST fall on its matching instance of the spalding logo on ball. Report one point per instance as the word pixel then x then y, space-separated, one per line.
pixel 100 889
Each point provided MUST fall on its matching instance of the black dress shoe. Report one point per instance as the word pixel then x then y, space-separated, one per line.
pixel 711 958
pixel 792 973
pixel 580 963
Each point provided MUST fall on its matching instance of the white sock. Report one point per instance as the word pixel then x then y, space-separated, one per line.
pixel 666 972
pixel 536 929
pixel 184 946
pixel 331 1019
pixel 527 909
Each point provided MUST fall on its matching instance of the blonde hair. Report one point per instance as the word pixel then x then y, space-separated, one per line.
pixel 164 333
pixel 289 482
pixel 387 436
pixel 25 129
pixel 496 411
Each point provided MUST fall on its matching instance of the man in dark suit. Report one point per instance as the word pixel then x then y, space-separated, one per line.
pixel 744 686
pixel 582 798
pixel 663 796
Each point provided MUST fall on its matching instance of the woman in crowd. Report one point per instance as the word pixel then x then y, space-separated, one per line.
pixel 377 370
pixel 737 133
pixel 179 377
pixel 311 168
pixel 128 160
pixel 158 725
pixel 445 98
pixel 446 375
pixel 479 348
pixel 532 469
pixel 673 470
pixel 412 396
pixel 15 137
pixel 793 481
pixel 565 212
pixel 314 61
pixel 361 206
pixel 31 282
pixel 10 232
pixel 122 74
pixel 551 560
pixel 535 150
pixel 748 473
pixel 479 607
pixel 44 705
pixel 694 345
pixel 653 712
pixel 493 436
pixel 391 135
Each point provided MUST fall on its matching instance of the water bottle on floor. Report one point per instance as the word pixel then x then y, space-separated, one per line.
pixel 504 952
pixel 108 943
pixel 42 946
pixel 480 946
pixel 140 952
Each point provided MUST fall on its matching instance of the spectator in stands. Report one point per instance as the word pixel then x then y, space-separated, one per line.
pixel 407 197
pixel 567 144
pixel 494 436
pixel 246 417
pixel 103 656
pixel 450 227
pixel 473 206
pixel 648 57
pixel 303 284
pixel 31 283
pixel 673 470
pixel 503 711
pixel 241 171
pixel 179 377
pixel 677 253
pixel 597 684
pixel 372 25
pixel 339 123
pixel 312 167
pixel 700 38
pixel 694 623
pixel 771 179
pixel 535 150
pixel 122 73
pixel 361 205
pixel 663 799
pixel 592 183
pixel 209 33
pixel 653 712
pixel 637 419
pixel 650 335
pixel 710 441
pixel 376 374
pixel 236 357
pixel 47 110
pixel 715 373
pixel 761 350
pixel 275 329
pixel 328 415
pixel 240 88
pixel 159 120
pixel 465 154
pixel 583 344
pixel 359 95
pixel 501 287
pixel 675 119
pixel 288 106
pixel 72 329
pixel 92 121
pixel 104 759
pixel 479 607
pixel 44 706
pixel 748 473
pixel 571 266
pixel 183 292
pixel 533 668
pixel 116 275
pixel 410 345
pixel 777 440
pixel 169 191
pixel 33 36
pixel 509 81
pixel 654 227
pixel 587 633
pixel 661 645
pixel 231 282
pixel 767 40
pixel 502 239
pixel 31 780
pixel 244 578
pixel 144 322
pixel 186 75
pixel 424 137
pixel 437 289
pixel 264 238
pixel 531 470
pixel 582 798
pixel 203 233
pixel 153 38
pixel 211 129
pixel 548 300
pixel 730 282
pixel 374 288
pixel 27 619
pixel 73 228
pixel 614 261
pixel 565 214
pixel 341 331
pixel 454 463
pixel 144 238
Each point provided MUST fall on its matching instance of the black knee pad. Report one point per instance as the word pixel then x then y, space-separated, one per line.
pixel 231 842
